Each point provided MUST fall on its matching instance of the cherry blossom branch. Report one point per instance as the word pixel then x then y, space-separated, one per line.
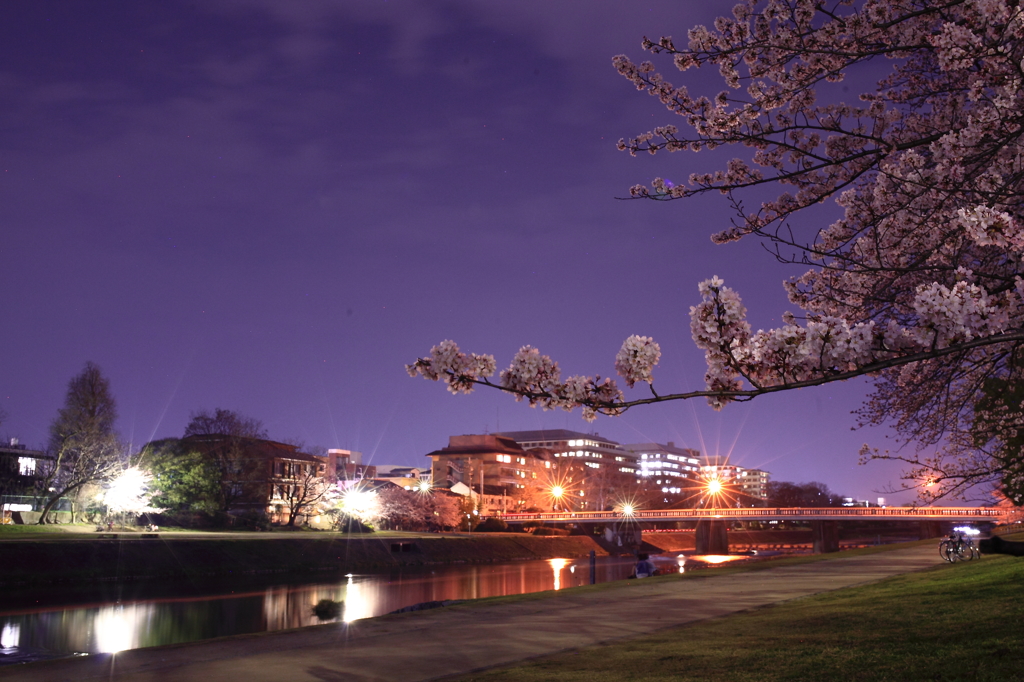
pixel 950 322
pixel 919 282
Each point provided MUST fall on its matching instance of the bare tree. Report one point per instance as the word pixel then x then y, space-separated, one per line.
pixel 307 490
pixel 82 439
pixel 239 473
pixel 224 423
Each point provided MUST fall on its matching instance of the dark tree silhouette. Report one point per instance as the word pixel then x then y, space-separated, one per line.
pixel 83 442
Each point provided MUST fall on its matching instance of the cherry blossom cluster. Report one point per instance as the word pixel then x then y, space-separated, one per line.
pixel 537 378
pixel 925 260
pixel 636 359
pixel 988 227
pixel 928 169
pixel 963 312
pixel 459 371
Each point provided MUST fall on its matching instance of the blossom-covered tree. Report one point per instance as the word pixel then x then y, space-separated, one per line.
pixel 446 509
pixel 917 283
pixel 403 509
pixel 130 493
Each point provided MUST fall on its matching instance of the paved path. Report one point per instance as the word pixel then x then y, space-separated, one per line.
pixel 427 645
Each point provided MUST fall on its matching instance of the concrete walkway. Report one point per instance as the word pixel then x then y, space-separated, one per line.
pixel 427 645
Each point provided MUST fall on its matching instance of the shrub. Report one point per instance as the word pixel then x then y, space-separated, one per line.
pixel 492 524
pixel 327 609
pixel 251 518
pixel 350 524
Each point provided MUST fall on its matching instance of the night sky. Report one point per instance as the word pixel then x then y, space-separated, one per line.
pixel 272 207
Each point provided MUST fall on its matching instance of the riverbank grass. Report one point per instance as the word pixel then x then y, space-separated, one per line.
pixel 954 622
pixel 18 530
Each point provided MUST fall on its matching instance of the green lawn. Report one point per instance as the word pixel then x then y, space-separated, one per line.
pixel 954 622
pixel 17 529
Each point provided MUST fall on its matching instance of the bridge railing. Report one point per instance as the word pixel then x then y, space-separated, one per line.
pixel 816 513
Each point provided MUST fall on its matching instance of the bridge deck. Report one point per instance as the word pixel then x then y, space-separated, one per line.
pixel 774 513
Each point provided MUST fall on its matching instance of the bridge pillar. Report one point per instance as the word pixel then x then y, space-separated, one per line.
pixel 931 529
pixel 712 537
pixel 826 536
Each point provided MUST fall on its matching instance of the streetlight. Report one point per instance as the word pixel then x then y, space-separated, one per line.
pixel 557 492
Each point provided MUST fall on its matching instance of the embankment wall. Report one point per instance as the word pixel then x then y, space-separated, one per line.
pixel 29 562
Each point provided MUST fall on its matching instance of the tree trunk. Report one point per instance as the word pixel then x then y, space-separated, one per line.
pixel 46 510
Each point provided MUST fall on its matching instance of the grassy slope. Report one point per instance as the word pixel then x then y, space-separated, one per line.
pixel 955 622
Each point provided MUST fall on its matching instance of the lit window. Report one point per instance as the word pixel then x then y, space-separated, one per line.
pixel 26 466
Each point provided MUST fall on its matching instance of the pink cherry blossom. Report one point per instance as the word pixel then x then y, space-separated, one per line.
pixel 919 280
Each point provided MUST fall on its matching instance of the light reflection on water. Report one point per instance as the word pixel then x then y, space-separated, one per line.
pixel 59 630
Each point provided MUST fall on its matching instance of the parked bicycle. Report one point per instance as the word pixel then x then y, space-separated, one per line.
pixel 959 546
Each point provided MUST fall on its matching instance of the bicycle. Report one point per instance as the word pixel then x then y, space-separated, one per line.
pixel 958 547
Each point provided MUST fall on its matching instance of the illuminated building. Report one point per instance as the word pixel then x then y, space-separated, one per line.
pixel 749 482
pixel 260 474
pixel 347 465
pixel 754 482
pixel 409 478
pixel 598 471
pixel 665 464
pixel 20 470
pixel 490 465
pixel 591 449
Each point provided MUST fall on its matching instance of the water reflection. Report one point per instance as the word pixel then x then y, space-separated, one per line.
pixel 10 636
pixel 117 627
pixel 59 630
pixel 556 566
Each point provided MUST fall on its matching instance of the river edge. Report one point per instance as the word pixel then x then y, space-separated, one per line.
pixel 85 559
pixel 393 647
pixel 39 563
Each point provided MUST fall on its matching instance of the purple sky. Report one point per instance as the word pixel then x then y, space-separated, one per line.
pixel 272 206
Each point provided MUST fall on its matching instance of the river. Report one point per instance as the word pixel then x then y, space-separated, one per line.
pixel 115 617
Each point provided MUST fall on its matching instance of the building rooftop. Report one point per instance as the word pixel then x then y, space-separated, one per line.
pixel 477 444
pixel 554 435
pixel 22 451
pixel 670 447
